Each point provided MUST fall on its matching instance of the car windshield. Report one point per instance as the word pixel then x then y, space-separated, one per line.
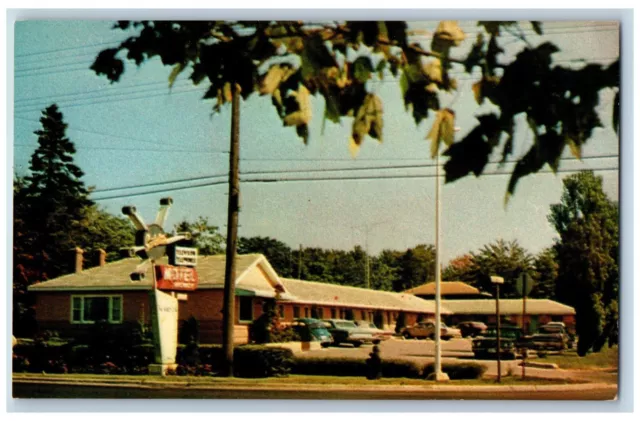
pixel 348 325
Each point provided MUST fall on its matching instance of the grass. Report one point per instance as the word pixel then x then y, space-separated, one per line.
pixel 607 358
pixel 295 379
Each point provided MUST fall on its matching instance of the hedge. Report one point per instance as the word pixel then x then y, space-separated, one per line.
pixel 391 368
pixel 458 371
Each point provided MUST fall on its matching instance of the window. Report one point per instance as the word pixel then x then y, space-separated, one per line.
pixel 296 312
pixel 306 312
pixel 281 311
pixel 363 315
pixel 246 309
pixel 93 308
pixel 333 313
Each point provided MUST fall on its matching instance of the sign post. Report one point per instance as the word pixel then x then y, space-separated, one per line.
pixel 151 244
pixel 524 285
pixel 498 280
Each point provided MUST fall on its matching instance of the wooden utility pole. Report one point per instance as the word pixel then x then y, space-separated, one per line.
pixel 228 308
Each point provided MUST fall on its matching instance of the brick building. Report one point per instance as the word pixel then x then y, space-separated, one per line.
pixel 72 303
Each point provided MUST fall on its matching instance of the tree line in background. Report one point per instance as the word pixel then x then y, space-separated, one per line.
pixel 53 215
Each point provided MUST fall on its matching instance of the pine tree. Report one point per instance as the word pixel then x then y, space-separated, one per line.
pixel 55 197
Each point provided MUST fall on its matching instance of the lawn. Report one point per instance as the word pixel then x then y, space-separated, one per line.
pixel 607 358
pixel 289 380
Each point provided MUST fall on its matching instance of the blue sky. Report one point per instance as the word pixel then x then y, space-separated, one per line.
pixel 137 132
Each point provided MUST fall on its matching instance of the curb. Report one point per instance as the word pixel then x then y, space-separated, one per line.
pixel 551 366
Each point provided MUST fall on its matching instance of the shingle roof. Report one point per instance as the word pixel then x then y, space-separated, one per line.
pixel 330 294
pixel 508 306
pixel 115 275
pixel 446 288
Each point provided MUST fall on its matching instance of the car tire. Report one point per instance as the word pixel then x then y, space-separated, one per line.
pixel 356 344
pixel 406 335
pixel 432 337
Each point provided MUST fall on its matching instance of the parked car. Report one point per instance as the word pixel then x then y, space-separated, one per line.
pixel 313 330
pixel 472 329
pixel 346 331
pixel 558 328
pixel 511 340
pixel 377 333
pixel 427 330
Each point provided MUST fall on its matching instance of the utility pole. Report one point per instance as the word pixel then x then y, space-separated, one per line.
pixel 300 261
pixel 228 308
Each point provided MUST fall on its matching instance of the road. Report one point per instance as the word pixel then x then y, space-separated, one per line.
pixel 96 391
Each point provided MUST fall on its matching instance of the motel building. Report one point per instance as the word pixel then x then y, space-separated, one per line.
pixel 467 303
pixel 70 304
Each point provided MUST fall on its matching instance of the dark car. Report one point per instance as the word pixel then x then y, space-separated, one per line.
pixel 313 330
pixel 549 342
pixel 346 331
pixel 511 340
pixel 472 329
pixel 558 328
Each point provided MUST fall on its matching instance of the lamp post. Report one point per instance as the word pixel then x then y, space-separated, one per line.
pixel 498 280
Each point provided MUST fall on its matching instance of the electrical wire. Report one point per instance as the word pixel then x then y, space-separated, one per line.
pixel 322 179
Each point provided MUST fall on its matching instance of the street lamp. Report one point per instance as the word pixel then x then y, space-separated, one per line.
pixel 498 280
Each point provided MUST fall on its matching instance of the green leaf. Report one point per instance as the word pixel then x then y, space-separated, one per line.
pixel 537 26
pixel 616 113
pixel 332 105
pixel 404 84
pixel 315 56
pixel 362 69
pixel 177 69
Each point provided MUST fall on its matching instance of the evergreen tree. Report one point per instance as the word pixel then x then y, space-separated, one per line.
pixel 55 197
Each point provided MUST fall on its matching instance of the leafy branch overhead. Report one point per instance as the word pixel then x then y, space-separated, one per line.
pixel 293 61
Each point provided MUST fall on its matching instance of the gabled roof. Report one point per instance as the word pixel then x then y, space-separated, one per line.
pixel 115 275
pixel 509 306
pixel 446 288
pixel 320 293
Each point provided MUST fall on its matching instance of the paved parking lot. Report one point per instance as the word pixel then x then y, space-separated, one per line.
pixel 401 348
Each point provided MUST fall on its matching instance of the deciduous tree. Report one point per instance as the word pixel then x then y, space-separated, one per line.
pixel 587 222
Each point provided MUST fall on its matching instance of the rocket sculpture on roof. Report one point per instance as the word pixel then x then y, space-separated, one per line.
pixel 151 240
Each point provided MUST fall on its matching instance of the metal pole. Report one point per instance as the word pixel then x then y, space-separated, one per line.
pixel 498 327
pixel 366 256
pixel 300 261
pixel 439 375
pixel 524 323
pixel 228 308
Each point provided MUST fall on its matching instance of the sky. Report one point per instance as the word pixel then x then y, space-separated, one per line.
pixel 138 132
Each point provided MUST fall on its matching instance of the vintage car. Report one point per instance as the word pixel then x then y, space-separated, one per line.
pixel 313 330
pixel 377 333
pixel 511 342
pixel 470 328
pixel 346 331
pixel 557 328
pixel 426 330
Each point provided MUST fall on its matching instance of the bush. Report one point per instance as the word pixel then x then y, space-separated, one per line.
pixel 458 371
pixel 251 361
pixel 338 366
pixel 285 334
pixel 189 331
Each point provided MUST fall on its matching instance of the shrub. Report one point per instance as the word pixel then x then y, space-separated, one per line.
pixel 458 371
pixel 189 331
pixel 249 360
pixel 261 361
pixel 285 334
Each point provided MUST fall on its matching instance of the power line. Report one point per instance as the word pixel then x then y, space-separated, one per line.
pixel 264 172
pixel 317 179
pixel 114 43
pixel 159 183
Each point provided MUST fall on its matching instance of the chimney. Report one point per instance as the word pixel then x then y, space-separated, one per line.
pixel 77 262
pixel 102 257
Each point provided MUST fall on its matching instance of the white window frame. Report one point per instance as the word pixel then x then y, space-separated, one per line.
pixel 110 298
